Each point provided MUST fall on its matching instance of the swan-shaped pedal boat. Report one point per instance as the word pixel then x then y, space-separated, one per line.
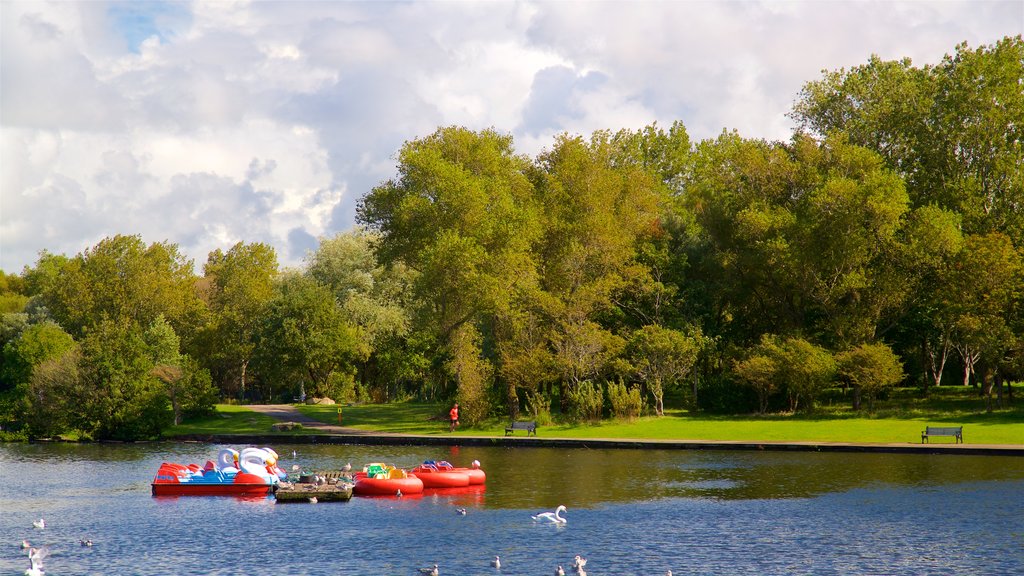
pixel 251 472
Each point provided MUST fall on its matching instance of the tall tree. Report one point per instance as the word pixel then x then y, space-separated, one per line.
pixel 462 216
pixel 952 130
pixel 595 213
pixel 305 338
pixel 240 286
pixel 121 280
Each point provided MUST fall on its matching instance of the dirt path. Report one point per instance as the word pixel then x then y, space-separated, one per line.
pixel 288 413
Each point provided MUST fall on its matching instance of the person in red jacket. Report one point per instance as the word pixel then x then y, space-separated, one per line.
pixel 454 415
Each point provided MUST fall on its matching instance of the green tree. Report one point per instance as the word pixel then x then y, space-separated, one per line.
pixel 596 211
pixel 662 358
pixel 462 216
pixel 13 295
pixel 123 281
pixel 305 338
pixel 870 369
pixel 807 368
pixel 117 397
pixel 49 403
pixel 36 344
pixel 373 298
pixel 952 130
pixel 240 286
pixel 760 370
pixel 188 386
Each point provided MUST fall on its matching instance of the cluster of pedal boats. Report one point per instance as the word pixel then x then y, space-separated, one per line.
pixel 384 480
pixel 255 472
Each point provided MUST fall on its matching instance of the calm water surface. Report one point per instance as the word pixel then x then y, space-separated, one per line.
pixel 629 512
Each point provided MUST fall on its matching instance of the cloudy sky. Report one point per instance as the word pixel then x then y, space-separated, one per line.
pixel 208 123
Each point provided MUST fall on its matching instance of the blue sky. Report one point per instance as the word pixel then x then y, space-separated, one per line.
pixel 139 21
pixel 210 123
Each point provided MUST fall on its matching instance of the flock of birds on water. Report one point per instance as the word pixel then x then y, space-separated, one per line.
pixel 36 556
pixel 578 562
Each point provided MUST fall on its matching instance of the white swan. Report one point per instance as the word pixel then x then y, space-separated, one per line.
pixel 35 561
pixel 39 523
pixel 496 562
pixel 578 563
pixel 550 517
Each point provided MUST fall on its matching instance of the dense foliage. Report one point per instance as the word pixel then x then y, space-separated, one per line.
pixel 612 274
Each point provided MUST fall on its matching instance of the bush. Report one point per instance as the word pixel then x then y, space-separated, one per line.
pixel 586 402
pixel 539 407
pixel 626 403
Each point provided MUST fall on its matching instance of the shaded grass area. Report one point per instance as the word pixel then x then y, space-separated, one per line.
pixel 232 419
pixel 899 418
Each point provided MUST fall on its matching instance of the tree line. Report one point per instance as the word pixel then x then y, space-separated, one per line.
pixel 881 245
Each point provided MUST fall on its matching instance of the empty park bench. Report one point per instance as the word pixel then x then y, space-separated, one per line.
pixel 530 427
pixel 955 431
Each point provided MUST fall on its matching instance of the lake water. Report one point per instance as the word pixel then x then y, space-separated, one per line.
pixel 629 512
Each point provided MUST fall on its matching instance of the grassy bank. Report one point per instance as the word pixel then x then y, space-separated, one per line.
pixel 898 419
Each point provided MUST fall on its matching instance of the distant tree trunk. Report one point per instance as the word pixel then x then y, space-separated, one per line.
pixel 856 397
pixel 986 389
pixel 999 389
pixel 513 401
pixel 245 364
pixel 936 361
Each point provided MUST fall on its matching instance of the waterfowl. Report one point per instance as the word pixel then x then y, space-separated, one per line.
pixel 85 542
pixel 559 571
pixel 496 562
pixel 312 500
pixel 578 563
pixel 460 511
pixel 429 571
pixel 550 517
pixel 39 523
pixel 35 561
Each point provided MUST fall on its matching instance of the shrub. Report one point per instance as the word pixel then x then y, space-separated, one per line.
pixel 585 402
pixel 627 403
pixel 539 407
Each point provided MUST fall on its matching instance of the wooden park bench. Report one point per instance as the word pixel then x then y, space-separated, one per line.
pixel 955 431
pixel 530 427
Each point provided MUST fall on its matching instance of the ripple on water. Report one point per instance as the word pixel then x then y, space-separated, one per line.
pixel 700 513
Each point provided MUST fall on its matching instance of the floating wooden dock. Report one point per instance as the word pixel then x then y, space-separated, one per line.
pixel 305 492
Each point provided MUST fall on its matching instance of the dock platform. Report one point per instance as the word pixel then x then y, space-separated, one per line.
pixel 304 492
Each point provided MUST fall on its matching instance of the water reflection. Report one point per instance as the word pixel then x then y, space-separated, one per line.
pixel 629 512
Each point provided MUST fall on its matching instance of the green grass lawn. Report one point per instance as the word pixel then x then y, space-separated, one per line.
pixel 899 418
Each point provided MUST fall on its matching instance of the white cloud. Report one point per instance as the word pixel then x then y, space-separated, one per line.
pixel 212 122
